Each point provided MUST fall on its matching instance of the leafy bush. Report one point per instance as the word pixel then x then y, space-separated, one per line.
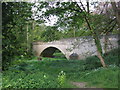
pixel 112 57
pixel 92 63
pixel 24 80
pixel 61 78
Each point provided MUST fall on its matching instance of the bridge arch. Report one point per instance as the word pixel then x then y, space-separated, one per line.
pixel 50 50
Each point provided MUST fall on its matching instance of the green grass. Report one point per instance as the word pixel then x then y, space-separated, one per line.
pixel 102 78
pixel 59 72
pixel 0 80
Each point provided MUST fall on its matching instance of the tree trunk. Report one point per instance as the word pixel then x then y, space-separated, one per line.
pixel 33 25
pixel 96 38
pixel 27 37
pixel 88 10
pixel 105 43
pixel 97 43
pixel 74 31
pixel 99 50
pixel 101 59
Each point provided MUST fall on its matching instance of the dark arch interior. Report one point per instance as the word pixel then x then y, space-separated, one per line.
pixel 52 52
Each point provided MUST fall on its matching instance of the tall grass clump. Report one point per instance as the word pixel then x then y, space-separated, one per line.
pixel 102 77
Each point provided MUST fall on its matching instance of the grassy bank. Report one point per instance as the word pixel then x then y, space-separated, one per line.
pixel 59 72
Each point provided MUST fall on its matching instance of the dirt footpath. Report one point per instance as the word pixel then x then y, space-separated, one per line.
pixel 81 84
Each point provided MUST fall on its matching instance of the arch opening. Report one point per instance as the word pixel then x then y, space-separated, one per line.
pixel 52 52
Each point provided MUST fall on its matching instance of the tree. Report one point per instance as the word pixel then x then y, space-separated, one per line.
pixel 14 39
pixel 116 9
pixel 50 34
pixel 110 24
pixel 67 13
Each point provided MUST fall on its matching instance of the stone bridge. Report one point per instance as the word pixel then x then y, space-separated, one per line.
pixel 74 48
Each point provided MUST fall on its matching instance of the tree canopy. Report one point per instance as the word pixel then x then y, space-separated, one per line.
pixel 14 19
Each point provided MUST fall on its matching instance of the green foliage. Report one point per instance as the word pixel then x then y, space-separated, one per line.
pixel 102 77
pixel 0 80
pixel 14 19
pixel 50 34
pixel 112 57
pixel 35 34
pixel 92 63
pixel 61 78
pixel 68 13
pixel 29 80
pixel 58 73
pixel 44 34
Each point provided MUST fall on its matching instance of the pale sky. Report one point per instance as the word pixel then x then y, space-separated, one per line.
pixel 60 0
pixel 53 19
pixel 75 0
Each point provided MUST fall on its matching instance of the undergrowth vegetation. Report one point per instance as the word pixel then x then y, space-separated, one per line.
pixel 59 73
